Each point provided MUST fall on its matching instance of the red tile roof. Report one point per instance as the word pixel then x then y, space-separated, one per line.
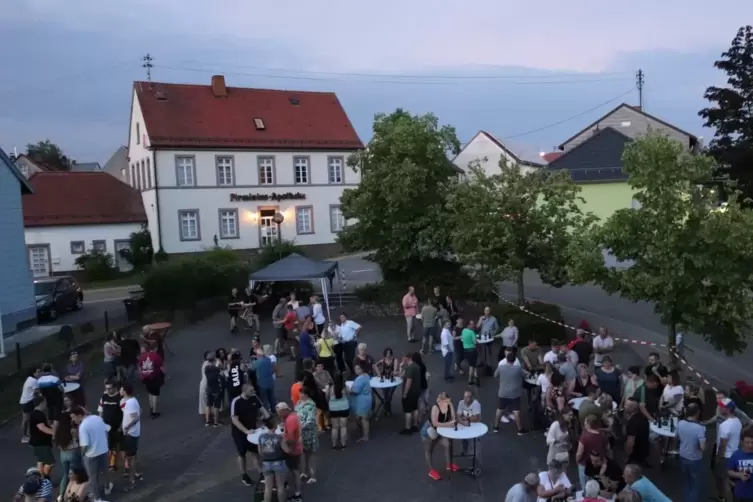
pixel 191 116
pixel 81 198
pixel 552 156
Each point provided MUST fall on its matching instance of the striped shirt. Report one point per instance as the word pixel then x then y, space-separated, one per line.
pixel 44 494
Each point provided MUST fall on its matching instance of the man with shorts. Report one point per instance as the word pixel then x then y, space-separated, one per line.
pixel 112 415
pixel 131 427
pixel 92 436
pixel 510 373
pixel 272 448
pixel 152 371
pixel 234 307
pixel 411 394
pixel 294 447
pixel 245 411
pixel 40 437
pixel 250 300
pixel 278 320
pixel 213 376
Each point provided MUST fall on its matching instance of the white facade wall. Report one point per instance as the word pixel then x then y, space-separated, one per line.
pixel 480 147
pixel 61 241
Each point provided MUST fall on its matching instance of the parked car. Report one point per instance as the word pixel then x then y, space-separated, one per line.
pixel 57 294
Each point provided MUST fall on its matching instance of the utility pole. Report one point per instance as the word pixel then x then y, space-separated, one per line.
pixel 148 66
pixel 639 84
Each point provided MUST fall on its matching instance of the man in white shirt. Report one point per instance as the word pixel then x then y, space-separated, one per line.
pixel 551 356
pixel 727 442
pixel 447 350
pixel 603 345
pixel 349 331
pixel 469 412
pixel 28 391
pixel 92 436
pixel 131 427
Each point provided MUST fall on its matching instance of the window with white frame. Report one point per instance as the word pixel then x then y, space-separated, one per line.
pixel 335 168
pixel 225 171
pixel 143 175
pixel 336 219
pixel 228 223
pixel 304 220
pixel 78 247
pixel 266 170
pixel 301 170
pixel 148 173
pixel 138 134
pixel 185 172
pixel 100 246
pixel 189 225
pixel 24 170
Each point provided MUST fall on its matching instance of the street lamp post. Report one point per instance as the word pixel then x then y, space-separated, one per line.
pixel 278 218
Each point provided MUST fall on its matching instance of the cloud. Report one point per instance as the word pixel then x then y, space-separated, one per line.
pixel 581 35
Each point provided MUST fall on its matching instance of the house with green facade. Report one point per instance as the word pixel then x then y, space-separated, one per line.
pixel 593 156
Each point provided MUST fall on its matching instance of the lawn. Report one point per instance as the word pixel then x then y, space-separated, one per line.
pixel 118 282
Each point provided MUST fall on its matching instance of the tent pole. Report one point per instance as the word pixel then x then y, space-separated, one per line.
pixel 340 282
pixel 251 286
pixel 326 297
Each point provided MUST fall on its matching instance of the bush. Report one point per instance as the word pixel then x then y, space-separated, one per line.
pixel 139 253
pixel 277 251
pixel 181 283
pixel 97 265
pixel 531 326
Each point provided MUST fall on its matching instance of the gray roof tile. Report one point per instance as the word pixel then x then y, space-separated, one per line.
pixel 598 159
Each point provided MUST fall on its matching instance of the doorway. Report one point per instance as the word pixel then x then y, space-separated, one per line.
pixel 122 264
pixel 39 260
pixel 267 227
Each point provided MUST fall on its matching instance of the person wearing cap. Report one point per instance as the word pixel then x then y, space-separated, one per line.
pixel 554 483
pixel 727 442
pixel 34 488
pixel 525 491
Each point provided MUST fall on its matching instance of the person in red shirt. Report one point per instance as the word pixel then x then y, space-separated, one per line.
pixel 292 436
pixel 152 371
pixel 290 323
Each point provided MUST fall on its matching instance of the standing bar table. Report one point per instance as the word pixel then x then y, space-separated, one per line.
pixel 470 432
pixel 378 385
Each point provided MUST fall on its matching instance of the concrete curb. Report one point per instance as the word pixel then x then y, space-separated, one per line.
pixel 107 290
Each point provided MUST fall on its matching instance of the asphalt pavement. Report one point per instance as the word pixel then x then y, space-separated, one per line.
pixel 183 461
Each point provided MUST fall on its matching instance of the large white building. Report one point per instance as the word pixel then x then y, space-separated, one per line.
pixel 72 213
pixel 215 164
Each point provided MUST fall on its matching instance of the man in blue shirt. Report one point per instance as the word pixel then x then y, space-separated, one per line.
pixel 692 436
pixel 637 482
pixel 740 469
pixel 265 379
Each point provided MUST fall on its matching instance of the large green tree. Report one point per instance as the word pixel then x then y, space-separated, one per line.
pixel 690 257
pixel 730 113
pixel 505 223
pixel 48 153
pixel 399 206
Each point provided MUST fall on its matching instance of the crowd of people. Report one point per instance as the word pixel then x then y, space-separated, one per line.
pixel 90 445
pixel 592 413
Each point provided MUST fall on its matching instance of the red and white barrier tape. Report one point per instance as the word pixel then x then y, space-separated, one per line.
pixel 623 340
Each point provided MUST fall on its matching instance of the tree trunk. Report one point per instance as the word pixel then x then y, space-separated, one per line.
pixel 672 344
pixel 521 291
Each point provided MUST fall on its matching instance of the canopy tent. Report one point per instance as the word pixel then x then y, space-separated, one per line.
pixel 295 267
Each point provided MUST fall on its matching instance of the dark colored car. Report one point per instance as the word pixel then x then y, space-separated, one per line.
pixel 57 294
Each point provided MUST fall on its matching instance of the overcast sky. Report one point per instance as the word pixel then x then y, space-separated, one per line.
pixel 508 67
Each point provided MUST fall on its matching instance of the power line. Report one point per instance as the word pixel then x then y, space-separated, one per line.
pixel 415 76
pixel 398 82
pixel 72 76
pixel 570 118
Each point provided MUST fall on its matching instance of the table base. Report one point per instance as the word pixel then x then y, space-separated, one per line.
pixel 473 471
pixel 380 408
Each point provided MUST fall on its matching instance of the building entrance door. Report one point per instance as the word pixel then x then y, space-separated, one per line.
pixel 267 227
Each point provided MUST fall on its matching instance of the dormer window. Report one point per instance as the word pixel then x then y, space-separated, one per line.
pixel 161 96
pixel 294 101
pixel 259 124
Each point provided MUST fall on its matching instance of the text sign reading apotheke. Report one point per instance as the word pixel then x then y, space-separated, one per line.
pixel 237 197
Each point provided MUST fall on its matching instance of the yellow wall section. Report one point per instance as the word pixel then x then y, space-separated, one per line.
pixel 603 199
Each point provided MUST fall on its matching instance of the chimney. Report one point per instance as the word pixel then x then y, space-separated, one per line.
pixel 218 86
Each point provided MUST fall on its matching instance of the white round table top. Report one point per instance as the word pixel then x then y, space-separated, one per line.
pixel 483 340
pixel 665 430
pixel 579 496
pixel 71 386
pixel 473 431
pixel 418 316
pixel 377 383
pixel 253 438
pixel 576 401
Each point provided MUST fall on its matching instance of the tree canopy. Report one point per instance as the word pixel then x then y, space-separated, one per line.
pixel 730 113
pixel 505 223
pixel 48 153
pixel 690 257
pixel 399 206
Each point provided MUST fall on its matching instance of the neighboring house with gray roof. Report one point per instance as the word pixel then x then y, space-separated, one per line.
pixel 117 165
pixel 489 150
pixel 29 167
pixel 85 167
pixel 17 305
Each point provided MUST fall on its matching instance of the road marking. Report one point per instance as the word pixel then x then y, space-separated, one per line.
pixel 117 288
pixel 104 300
pixel 361 271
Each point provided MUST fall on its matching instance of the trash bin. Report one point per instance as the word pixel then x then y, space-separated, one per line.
pixel 134 307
